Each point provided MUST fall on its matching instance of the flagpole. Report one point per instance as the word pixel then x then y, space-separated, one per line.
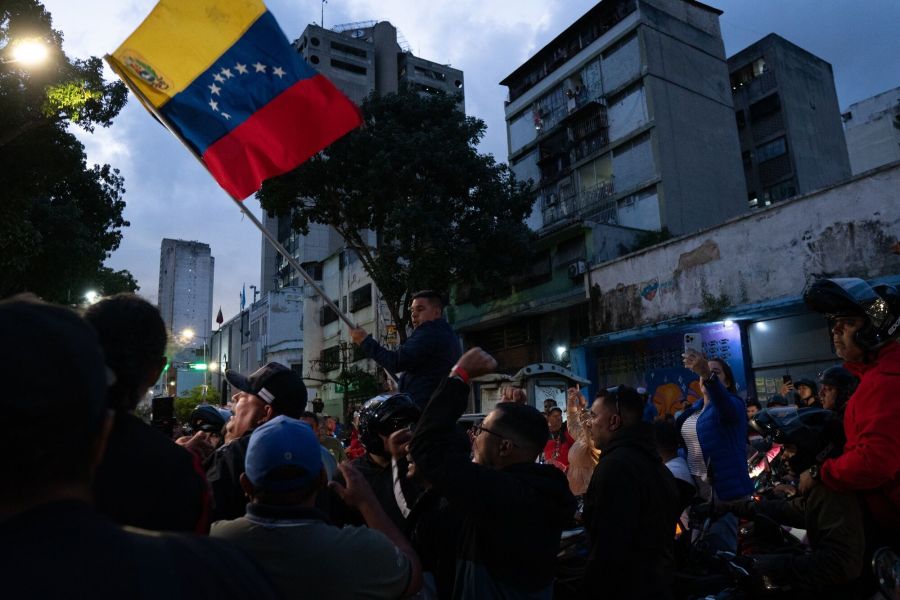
pixel 272 240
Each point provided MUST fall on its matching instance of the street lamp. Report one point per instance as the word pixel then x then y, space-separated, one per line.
pixel 187 335
pixel 92 296
pixel 29 51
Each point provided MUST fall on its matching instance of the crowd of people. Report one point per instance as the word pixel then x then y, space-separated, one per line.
pixel 98 503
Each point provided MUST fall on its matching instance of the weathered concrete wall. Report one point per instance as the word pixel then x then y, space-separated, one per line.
pixel 846 230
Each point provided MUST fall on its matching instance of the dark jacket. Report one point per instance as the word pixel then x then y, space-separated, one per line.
pixel 148 481
pixel 722 431
pixel 630 510
pixel 223 470
pixel 834 523
pixel 67 550
pixel 512 518
pixel 425 358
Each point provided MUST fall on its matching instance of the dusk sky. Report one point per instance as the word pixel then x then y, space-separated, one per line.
pixel 170 195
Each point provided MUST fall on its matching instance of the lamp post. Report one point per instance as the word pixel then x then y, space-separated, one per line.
pixel 188 334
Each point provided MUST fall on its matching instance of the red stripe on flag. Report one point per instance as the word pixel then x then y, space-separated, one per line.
pixel 302 120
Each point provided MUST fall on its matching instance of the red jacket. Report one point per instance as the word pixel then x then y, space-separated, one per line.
pixel 556 452
pixel 870 463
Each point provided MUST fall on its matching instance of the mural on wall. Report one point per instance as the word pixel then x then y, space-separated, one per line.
pixel 655 364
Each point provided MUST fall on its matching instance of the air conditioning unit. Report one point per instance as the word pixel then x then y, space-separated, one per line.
pixel 577 268
pixel 552 199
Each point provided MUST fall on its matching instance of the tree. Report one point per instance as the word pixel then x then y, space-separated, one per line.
pixel 185 404
pixel 60 218
pixel 441 212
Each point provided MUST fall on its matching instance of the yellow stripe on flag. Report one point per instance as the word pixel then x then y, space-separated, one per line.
pixel 179 40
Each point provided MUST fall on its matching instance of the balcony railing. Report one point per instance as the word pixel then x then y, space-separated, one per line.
pixel 590 200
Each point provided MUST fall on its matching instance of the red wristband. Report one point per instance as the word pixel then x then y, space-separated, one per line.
pixel 458 370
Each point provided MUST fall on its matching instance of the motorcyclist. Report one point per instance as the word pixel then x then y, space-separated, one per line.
pixel 838 384
pixel 865 322
pixel 379 418
pixel 833 520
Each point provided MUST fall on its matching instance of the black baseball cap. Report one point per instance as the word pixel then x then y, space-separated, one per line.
pixel 276 385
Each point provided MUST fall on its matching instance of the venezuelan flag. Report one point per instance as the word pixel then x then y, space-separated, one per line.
pixel 223 76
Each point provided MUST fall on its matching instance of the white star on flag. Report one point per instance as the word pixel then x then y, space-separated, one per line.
pixel 226 115
pixel 227 73
pixel 214 104
pixel 279 71
pixel 260 68
pixel 242 69
pixel 215 89
pixel 219 78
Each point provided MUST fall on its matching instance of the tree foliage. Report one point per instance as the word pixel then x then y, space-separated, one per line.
pixel 441 212
pixel 60 218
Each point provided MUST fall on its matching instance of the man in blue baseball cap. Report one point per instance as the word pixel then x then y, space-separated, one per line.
pixel 283 531
pixel 268 392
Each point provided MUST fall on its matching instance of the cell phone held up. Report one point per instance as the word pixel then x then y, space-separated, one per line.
pixel 693 342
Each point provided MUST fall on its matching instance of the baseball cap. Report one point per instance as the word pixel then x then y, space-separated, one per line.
pixel 283 442
pixel 276 385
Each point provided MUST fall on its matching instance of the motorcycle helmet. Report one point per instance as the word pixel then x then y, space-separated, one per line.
pixel 206 417
pixel 843 381
pixel 383 415
pixel 850 296
pixel 814 434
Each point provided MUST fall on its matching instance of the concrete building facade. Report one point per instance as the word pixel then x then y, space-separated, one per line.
pixel 186 271
pixel 872 129
pixel 329 355
pixel 725 284
pixel 269 330
pixel 624 124
pixel 788 119
pixel 626 118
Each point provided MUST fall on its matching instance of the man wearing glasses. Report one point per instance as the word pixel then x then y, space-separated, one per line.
pixel 513 509
pixel 631 505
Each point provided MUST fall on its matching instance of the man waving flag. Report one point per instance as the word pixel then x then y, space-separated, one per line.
pixel 222 76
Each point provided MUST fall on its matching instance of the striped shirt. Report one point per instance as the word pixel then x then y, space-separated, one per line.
pixel 695 460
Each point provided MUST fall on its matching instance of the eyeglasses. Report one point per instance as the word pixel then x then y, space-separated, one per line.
pixel 479 428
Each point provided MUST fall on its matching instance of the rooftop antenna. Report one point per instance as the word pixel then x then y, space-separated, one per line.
pixel 324 2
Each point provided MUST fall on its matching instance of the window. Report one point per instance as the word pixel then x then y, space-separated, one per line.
pixel 539 272
pixel 345 66
pixel 358 353
pixel 330 359
pixel 327 316
pixel 361 298
pixel 771 150
pixel 780 191
pixel 568 252
pixel 429 73
pixel 314 269
pixel 348 49
pixel 764 107
pixel 748 73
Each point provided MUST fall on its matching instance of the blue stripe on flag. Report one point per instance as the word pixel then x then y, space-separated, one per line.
pixel 258 67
